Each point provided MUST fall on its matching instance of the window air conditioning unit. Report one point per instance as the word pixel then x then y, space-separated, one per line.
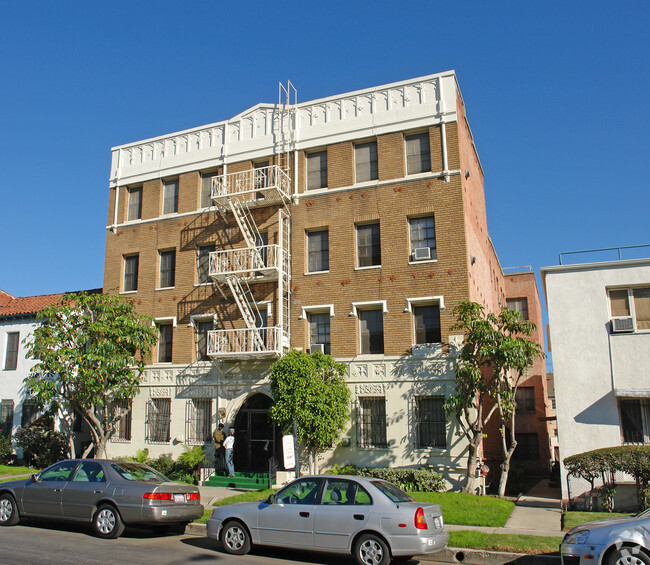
pixel 422 253
pixel 317 347
pixel 622 324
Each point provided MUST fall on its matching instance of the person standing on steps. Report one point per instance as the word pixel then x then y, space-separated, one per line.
pixel 219 437
pixel 228 444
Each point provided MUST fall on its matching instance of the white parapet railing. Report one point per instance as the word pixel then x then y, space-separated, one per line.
pixel 245 342
pixel 253 181
pixel 245 261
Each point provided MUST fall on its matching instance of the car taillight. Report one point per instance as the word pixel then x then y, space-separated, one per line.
pixel 158 495
pixel 420 520
pixel 193 496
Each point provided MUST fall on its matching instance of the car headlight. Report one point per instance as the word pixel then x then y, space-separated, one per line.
pixel 579 536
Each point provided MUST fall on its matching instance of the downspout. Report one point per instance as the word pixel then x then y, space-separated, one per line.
pixel 117 189
pixel 445 164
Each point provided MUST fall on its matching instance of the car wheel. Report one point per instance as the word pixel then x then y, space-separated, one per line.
pixel 8 511
pixel 371 550
pixel 107 522
pixel 234 538
pixel 628 556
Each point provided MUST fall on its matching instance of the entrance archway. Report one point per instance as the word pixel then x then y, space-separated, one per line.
pixel 256 437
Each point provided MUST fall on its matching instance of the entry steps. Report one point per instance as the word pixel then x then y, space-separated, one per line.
pixel 243 480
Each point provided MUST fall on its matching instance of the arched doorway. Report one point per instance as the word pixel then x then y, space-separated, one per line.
pixel 257 438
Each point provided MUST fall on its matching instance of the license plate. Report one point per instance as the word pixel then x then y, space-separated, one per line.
pixel 180 498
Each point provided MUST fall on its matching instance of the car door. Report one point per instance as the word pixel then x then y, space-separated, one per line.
pixel 42 497
pixel 344 510
pixel 85 487
pixel 289 519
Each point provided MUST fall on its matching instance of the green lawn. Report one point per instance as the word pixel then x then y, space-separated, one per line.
pixel 469 509
pixel 571 519
pixel 10 471
pixel 504 542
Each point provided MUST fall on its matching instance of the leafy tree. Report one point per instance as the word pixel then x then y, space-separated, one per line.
pixel 90 350
pixel 489 368
pixel 310 389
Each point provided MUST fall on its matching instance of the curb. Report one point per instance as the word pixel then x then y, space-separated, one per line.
pixel 450 554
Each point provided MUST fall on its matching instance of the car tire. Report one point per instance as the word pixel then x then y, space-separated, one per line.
pixel 9 515
pixel 234 538
pixel 628 556
pixel 107 523
pixel 371 550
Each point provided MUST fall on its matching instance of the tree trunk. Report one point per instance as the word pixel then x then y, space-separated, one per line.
pixel 470 480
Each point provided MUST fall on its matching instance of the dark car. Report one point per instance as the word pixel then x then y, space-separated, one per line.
pixel 369 518
pixel 108 494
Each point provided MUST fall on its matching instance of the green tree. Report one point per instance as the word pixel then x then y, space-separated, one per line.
pixel 493 359
pixel 310 390
pixel 90 351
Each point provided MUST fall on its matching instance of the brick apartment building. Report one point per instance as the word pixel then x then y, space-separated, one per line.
pixel 351 224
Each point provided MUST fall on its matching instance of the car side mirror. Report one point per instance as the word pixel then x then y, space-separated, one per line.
pixel 271 498
pixel 33 478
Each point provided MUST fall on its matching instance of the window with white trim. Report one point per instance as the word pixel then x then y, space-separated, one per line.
pixel 371 331
pixel 203 263
pixel 198 428
pixel 319 330
pixel 170 196
pixel 372 421
pixel 426 323
pixel 11 355
pixel 167 277
pixel 165 341
pixel 134 211
pixel 202 328
pixel 368 245
pixel 422 232
pixel 418 153
pixel 365 161
pixel 518 305
pixel 131 265
pixel 206 189
pixel 635 420
pixel 634 302
pixel 318 251
pixel 158 420
pixel 317 169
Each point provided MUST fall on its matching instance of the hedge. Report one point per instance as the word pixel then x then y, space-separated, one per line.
pixel 407 478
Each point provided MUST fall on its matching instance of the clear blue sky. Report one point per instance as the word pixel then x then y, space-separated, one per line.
pixel 556 94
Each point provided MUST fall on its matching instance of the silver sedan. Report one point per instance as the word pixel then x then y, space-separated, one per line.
pixel 108 494
pixel 617 541
pixel 370 518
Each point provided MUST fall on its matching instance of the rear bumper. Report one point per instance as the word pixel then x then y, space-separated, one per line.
pixel 212 528
pixel 167 514
pixel 419 545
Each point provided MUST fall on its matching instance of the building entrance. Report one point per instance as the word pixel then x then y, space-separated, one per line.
pixel 257 439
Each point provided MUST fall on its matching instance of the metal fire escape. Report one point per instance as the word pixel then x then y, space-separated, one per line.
pixel 237 270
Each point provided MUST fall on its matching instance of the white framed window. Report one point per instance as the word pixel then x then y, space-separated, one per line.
pixel 165 338
pixel 418 153
pixel 318 251
pixel 317 169
pixel 366 166
pixel 205 198
pixel 134 211
pixel 198 428
pixel 635 420
pixel 368 245
pixel 158 420
pixel 170 196
pixel 131 266
pixel 631 302
pixel 202 325
pixel 203 263
pixel 167 275
pixel 11 353
pixel 422 233
pixel 371 326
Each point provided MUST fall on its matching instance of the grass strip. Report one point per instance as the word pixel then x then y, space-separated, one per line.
pixel 533 545
pixel 11 470
pixel 463 509
pixel 572 519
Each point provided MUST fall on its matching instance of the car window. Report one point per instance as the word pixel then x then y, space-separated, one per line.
pixel 396 494
pixel 342 491
pixel 59 472
pixel 132 471
pixel 89 472
pixel 304 491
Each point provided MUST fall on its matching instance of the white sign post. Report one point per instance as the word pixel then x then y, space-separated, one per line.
pixel 289 452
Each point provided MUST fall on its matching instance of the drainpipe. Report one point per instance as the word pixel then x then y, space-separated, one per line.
pixel 445 165
pixel 117 189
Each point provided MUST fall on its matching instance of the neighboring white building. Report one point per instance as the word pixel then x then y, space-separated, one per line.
pixel 17 322
pixel 599 320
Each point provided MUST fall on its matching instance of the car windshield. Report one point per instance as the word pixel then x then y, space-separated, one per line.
pixel 643 514
pixel 396 494
pixel 132 471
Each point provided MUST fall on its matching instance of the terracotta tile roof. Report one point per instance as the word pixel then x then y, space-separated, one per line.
pixel 5 298
pixel 24 305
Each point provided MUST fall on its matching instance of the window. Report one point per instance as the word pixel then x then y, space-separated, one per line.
pixel 6 417
pixel 11 358
pixel 525 399
pixel 59 472
pixel 372 421
pixel 318 251
pixel 527 446
pixel 365 161
pixel 342 491
pixel 167 269
pixel 89 472
pixel 317 170
pixel 426 320
pixel 202 329
pixel 199 421
pixel 123 427
pixel 165 341
pixel 430 421
pixel 203 263
pixel 206 189
pixel 261 178
pixel 319 330
pixel 418 154
pixel 633 302
pixel 304 491
pixel 159 420
pixel 371 331
pixel 29 413
pixel 134 211
pixel 131 273
pixel 635 420
pixel 368 245
pixel 518 305
pixel 170 196
pixel 262 322
pixel 423 238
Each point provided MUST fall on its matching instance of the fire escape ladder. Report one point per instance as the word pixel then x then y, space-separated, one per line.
pixel 249 230
pixel 243 295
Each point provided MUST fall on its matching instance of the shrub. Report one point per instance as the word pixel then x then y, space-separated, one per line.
pixel 6 452
pixel 407 478
pixel 41 447
pixel 185 469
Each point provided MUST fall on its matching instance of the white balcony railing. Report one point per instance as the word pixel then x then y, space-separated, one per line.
pixel 257 182
pixel 245 261
pixel 244 342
